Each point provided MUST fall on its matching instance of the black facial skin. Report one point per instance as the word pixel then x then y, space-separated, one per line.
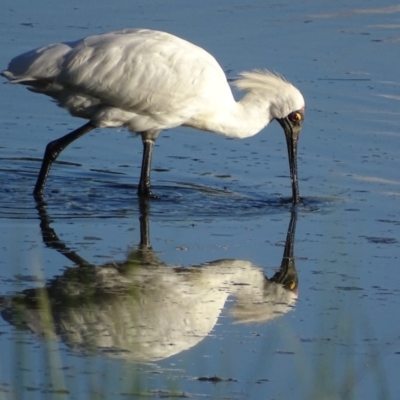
pixel 291 125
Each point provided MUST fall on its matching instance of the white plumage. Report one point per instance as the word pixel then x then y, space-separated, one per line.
pixel 149 81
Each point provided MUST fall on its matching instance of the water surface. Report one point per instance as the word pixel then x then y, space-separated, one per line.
pixel 212 250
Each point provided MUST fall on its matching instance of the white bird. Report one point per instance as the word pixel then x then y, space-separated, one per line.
pixel 148 81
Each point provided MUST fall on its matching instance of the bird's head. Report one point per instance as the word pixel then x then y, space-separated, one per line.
pixel 285 103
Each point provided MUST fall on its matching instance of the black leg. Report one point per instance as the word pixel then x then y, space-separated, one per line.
pixel 144 189
pixel 53 149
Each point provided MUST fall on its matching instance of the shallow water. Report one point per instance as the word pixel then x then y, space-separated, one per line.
pixel 192 315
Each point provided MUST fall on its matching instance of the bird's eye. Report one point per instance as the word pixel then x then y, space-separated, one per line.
pixel 295 116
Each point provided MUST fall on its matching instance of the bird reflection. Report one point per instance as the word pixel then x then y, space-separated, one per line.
pixel 142 309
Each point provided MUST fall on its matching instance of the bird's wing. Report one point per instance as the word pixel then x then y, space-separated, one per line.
pixel 141 71
pixel 41 64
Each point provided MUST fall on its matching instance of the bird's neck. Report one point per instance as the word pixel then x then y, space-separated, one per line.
pixel 241 119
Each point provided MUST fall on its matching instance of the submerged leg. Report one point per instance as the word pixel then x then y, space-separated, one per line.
pixel 53 149
pixel 148 139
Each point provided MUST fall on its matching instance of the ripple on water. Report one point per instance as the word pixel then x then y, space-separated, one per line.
pixel 95 195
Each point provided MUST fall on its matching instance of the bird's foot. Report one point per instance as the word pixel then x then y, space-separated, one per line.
pixel 145 192
pixel 38 196
pixel 294 200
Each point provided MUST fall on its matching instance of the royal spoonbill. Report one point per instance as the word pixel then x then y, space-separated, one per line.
pixel 148 81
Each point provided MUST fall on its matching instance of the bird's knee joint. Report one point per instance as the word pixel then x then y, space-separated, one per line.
pixel 52 151
pixel 150 136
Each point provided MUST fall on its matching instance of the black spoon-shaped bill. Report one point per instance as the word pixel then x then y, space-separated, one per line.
pixel 292 127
